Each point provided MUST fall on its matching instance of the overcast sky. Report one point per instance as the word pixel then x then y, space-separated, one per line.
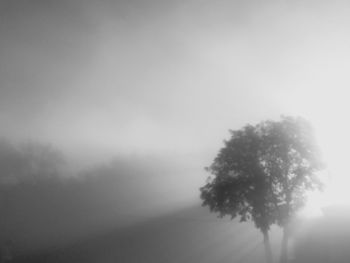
pixel 163 77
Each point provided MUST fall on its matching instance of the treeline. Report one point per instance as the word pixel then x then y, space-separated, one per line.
pixel 42 207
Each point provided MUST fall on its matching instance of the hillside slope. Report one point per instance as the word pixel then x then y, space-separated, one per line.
pixel 188 235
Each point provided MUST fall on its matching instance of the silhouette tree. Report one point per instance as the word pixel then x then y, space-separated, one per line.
pixel 263 174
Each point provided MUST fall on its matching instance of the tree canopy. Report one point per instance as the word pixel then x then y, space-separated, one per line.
pixel 264 171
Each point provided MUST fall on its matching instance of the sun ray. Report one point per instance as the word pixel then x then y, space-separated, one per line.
pixel 326 109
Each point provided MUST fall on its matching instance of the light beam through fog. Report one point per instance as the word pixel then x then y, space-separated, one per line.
pixel 327 109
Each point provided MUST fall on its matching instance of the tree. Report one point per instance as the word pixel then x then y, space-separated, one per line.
pixel 29 162
pixel 30 173
pixel 263 174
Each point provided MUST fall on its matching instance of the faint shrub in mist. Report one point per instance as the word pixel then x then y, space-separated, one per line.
pixel 29 162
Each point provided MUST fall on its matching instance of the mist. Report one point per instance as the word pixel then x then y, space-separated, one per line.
pixel 111 110
pixel 46 203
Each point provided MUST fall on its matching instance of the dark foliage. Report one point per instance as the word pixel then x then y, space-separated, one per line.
pixel 263 172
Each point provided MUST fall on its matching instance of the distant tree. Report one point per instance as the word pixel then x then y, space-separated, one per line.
pixel 29 162
pixel 41 162
pixel 30 180
pixel 263 174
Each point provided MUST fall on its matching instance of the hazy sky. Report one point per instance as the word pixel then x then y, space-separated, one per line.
pixel 167 77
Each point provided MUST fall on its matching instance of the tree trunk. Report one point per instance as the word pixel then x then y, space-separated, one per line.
pixel 284 246
pixel 267 246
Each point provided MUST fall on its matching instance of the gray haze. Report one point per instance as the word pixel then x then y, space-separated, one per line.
pixel 166 79
pixel 162 76
pixel 136 96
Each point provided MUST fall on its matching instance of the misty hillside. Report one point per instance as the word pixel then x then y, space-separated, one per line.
pixel 119 117
pixel 44 206
pixel 188 235
pixel 194 235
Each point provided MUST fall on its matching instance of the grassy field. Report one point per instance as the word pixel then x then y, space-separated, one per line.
pixel 188 235
pixel 194 235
